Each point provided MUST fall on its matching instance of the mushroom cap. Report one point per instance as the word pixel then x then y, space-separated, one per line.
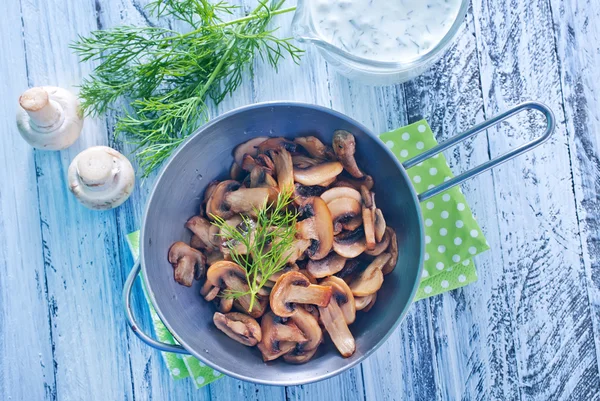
pixel 350 244
pixel 371 279
pixel 201 228
pixel 279 337
pixel 318 174
pixel 342 294
pixel 327 266
pixel 247 148
pixel 230 276
pixel 309 325
pixel 294 287
pixel 260 177
pixel 284 168
pixel 344 146
pixel 381 246
pixel 317 226
pixel 240 327
pixel 392 250
pixel 101 178
pixel 298 355
pixel 188 263
pixel 216 205
pixel 369 227
pixel 362 302
pixel 370 305
pixel 276 143
pixel 248 200
pixel 341 192
pixel 343 210
pixel 49 118
pixel 313 146
pixel 380 225
pixel 302 192
pixel 334 322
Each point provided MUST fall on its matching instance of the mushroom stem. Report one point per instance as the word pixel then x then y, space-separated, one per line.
pixel 335 324
pixel 313 294
pixel 45 114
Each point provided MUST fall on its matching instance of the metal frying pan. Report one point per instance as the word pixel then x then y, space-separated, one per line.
pixel 206 156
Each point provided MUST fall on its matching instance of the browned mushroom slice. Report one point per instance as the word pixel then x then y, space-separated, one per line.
pixel 207 194
pixel 302 192
pixel 276 143
pixel 334 322
pixel 350 270
pixel 294 288
pixel 213 256
pixel 313 146
pixel 236 172
pixel 223 304
pixel 362 302
pixel 259 307
pixel 300 161
pixel 369 227
pixel 249 147
pixel 344 146
pixel 342 211
pixel 310 277
pixel 316 226
pixel 309 326
pixel 370 305
pixel 328 266
pixel 248 163
pixel 239 327
pixel 381 246
pixel 353 223
pixel 189 263
pixel 343 296
pixel 216 205
pixel 266 162
pixel 380 225
pixel 284 168
pixel 392 250
pixel 371 279
pixel 208 290
pixel 319 174
pixel 341 192
pixel 260 177
pixel 355 183
pixel 196 242
pixel 350 244
pixel 297 250
pixel 248 200
pixel 290 267
pixel 229 276
pixel 201 228
pixel 278 337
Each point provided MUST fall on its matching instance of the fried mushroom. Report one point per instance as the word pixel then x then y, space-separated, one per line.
pixel 342 294
pixel 341 192
pixel 327 266
pixel 344 146
pixel 247 148
pixel 320 174
pixel 239 327
pixel 392 250
pixel 309 325
pixel 313 146
pixel 248 200
pixel 294 288
pixel 343 210
pixel 228 276
pixel 188 263
pixel 217 205
pixel 350 244
pixel 316 226
pixel 284 169
pixel 370 280
pixel 279 336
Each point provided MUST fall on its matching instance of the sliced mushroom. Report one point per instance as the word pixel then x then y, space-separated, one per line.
pixel 310 277
pixel 362 302
pixel 343 296
pixel 353 223
pixel 207 194
pixel 342 211
pixel 275 144
pixel 229 276
pixel 294 288
pixel 248 163
pixel 370 305
pixel 239 327
pixel 279 337
pixel 328 266
pixel 196 242
pixel 247 148
pixel 260 177
pixel 313 146
pixel 189 263
pixel 371 279
pixel 300 161
pixel 341 192
pixel 216 205
pixel 350 270
pixel 392 250
pixel 302 192
pixel 259 307
pixel 284 168
pixel 309 326
pixel 212 294
pixel 380 225
pixel 381 246
pixel 316 226
pixel 236 172
pixel 207 288
pixel 319 174
pixel 290 267
pixel 334 322
pixel 369 227
pixel 201 228
pixel 355 183
pixel 213 256
pixel 350 244
pixel 223 304
pixel 297 250
pixel 266 162
pixel 344 146
pixel 249 200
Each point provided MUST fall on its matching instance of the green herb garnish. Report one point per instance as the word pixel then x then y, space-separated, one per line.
pixel 170 76
pixel 267 243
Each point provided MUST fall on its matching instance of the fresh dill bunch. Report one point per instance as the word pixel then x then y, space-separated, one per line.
pixel 267 242
pixel 168 77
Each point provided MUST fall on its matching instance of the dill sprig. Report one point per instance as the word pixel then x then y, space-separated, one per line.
pixel 168 77
pixel 267 243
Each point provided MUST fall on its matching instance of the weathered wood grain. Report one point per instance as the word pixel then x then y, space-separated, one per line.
pixel 27 367
pixel 546 287
pixel 577 38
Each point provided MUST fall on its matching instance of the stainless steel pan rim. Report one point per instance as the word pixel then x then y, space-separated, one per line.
pixel 184 348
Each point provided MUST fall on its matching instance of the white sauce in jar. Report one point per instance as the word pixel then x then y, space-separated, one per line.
pixel 384 30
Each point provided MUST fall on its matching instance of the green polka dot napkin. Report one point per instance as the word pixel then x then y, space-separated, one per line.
pixel 452 238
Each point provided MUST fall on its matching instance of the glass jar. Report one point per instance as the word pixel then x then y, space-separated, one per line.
pixel 367 70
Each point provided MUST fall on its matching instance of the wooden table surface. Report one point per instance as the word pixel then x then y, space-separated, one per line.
pixel 529 329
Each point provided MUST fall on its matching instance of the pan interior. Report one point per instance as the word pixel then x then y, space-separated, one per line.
pixel 177 196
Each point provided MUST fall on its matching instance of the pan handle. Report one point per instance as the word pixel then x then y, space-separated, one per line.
pixel 550 124
pixel 133 323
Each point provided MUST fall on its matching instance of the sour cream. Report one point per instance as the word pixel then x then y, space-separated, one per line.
pixel 384 30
